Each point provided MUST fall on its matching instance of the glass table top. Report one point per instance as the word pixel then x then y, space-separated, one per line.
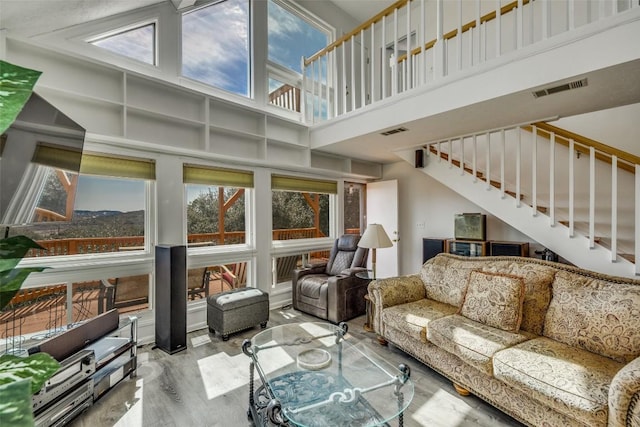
pixel 321 377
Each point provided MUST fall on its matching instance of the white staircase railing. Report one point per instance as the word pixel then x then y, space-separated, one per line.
pixel 406 47
pixel 549 181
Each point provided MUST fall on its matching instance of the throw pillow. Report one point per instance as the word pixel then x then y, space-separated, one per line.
pixel 494 300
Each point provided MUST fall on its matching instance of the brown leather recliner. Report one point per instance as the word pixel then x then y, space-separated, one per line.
pixel 331 290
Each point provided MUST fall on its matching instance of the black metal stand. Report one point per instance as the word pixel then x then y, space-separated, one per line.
pixel 265 409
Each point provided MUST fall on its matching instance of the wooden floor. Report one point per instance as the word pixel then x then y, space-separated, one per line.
pixel 184 390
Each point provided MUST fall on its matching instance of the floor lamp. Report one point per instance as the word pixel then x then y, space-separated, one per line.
pixel 374 237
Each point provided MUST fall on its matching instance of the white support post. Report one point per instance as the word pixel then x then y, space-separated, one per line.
pixel 383 60
pixel 488 160
pixel 353 73
pixel 422 42
pixel 462 155
pixel 439 152
pixel 459 37
pixel 450 148
pixel 474 159
pixel 439 66
pixel 519 24
pixel 534 170
pixel 572 156
pixel 614 208
pixel 552 180
pixel 372 62
pixel 546 17
pixel 592 197
pixel 502 177
pixel 329 84
pixel 409 60
pixel 363 63
pixel 637 220
pixel 478 43
pixel 394 69
pixel 518 166
pixel 571 14
pixel 344 88
pixel 498 30
pixel 320 87
pixel 313 92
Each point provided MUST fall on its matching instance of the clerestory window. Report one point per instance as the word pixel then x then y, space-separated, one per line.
pixel 216 45
pixel 138 43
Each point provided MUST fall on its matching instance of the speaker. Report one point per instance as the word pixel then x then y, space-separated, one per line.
pixel 431 248
pixel 509 248
pixel 171 298
pixel 419 162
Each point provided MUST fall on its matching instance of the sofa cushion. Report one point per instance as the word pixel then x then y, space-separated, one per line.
pixel 573 381
pixel 537 284
pixel 444 282
pixel 595 315
pixel 414 317
pixel 473 342
pixel 494 300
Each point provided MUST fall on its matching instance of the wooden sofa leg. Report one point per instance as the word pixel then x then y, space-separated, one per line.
pixel 461 390
pixel 381 340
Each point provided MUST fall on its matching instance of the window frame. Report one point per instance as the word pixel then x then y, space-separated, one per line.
pixel 126 28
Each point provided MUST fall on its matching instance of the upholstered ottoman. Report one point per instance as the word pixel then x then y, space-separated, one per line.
pixel 238 309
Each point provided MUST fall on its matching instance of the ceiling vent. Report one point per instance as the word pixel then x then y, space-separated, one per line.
pixel 560 88
pixel 392 131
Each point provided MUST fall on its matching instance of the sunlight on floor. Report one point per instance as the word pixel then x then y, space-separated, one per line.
pixel 289 314
pixel 222 373
pixel 441 403
pixel 200 340
pixel 133 416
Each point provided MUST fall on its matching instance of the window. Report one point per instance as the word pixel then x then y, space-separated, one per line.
pixel 291 37
pixel 109 213
pixel 300 207
pixel 138 43
pixel 354 208
pixel 216 212
pixel 216 45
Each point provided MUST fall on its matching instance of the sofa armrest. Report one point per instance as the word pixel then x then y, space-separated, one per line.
pixel 392 291
pixel 624 396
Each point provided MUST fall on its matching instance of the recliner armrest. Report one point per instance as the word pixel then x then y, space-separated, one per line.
pixel 352 271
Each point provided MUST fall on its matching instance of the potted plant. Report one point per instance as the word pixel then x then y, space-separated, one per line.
pixel 20 377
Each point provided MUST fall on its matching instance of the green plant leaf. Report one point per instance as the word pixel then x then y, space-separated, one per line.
pixel 13 249
pixel 16 85
pixel 11 281
pixel 15 404
pixel 38 367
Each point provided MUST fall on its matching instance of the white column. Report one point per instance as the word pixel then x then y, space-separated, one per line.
pixel 592 197
pixel 614 208
pixel 518 160
pixel 572 156
pixel 552 179
pixel 534 170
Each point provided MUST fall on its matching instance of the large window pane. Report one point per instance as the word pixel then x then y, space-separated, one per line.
pixel 291 37
pixel 299 215
pixel 109 216
pixel 215 215
pixel 215 45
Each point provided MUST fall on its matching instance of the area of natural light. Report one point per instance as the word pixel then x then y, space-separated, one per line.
pixel 441 402
pixel 222 373
pixel 138 43
pixel 215 45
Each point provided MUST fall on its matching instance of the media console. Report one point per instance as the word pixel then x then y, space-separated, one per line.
pixel 94 356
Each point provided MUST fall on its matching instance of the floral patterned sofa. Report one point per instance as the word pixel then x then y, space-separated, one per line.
pixel 547 343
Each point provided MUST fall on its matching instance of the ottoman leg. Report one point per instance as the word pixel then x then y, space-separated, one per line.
pixel 225 337
pixel 263 325
pixel 211 330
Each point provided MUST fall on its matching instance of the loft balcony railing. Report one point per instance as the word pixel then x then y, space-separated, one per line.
pixel 588 187
pixel 415 43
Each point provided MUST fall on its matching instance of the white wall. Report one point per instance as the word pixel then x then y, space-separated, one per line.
pixel 423 199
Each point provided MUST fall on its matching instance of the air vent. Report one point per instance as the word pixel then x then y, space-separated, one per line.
pixel 392 131
pixel 560 88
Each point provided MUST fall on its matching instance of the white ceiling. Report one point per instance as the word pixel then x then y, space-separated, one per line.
pixel 33 17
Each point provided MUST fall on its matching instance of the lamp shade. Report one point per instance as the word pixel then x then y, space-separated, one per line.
pixel 375 237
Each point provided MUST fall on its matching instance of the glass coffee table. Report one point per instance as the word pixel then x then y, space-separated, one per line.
pixel 313 376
